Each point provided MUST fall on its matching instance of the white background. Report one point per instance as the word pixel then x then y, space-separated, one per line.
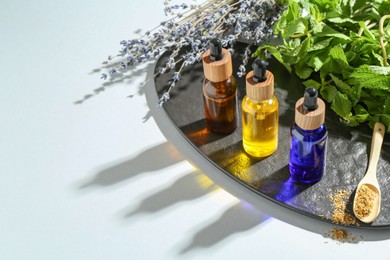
pixel 85 171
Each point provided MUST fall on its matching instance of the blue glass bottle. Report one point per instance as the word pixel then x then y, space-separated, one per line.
pixel 308 139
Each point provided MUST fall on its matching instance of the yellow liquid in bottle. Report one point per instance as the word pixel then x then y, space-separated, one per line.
pixel 260 126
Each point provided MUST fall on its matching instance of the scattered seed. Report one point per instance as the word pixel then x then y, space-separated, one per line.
pixel 339 203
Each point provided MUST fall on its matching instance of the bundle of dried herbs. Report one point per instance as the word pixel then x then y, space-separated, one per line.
pixel 187 32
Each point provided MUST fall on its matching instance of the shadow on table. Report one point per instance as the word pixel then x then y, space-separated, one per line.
pixel 187 188
pixel 239 218
pixel 152 159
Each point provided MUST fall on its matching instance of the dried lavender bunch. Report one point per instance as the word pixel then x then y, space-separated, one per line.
pixel 191 27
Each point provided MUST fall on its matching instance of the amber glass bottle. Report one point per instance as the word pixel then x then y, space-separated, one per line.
pixel 260 112
pixel 219 90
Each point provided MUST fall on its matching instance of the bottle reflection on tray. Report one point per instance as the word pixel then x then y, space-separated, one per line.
pixel 308 139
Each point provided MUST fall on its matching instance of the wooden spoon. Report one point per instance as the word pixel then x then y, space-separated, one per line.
pixel 367 201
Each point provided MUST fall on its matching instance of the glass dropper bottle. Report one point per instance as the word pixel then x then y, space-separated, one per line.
pixel 308 139
pixel 219 90
pixel 260 112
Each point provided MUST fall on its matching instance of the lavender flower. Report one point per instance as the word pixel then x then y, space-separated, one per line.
pixel 164 98
pixel 191 27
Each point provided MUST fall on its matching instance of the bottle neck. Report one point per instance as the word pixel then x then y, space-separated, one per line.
pixel 256 101
pixel 322 128
pixel 223 89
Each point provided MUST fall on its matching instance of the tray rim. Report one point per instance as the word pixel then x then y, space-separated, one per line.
pixel 241 184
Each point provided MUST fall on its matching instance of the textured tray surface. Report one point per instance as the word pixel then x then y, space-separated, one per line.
pixel 347 155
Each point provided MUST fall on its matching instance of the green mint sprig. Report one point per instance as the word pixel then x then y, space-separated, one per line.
pixel 345 43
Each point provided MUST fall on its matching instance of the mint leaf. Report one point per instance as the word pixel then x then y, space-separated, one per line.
pixel 361 115
pixel 378 57
pixel 370 102
pixel 329 93
pixel 337 53
pixel 342 20
pixel 329 32
pixel 316 63
pixel 298 26
pixel 275 52
pixel 342 86
pixel 379 94
pixel 360 110
pixel 354 120
pixel 320 45
pixel 326 5
pixel 280 25
pixel 294 43
pixel 354 94
pixel 294 11
pixel 299 50
pixel 302 70
pixel 372 77
pixel 314 84
pixel 366 31
pixel 377 69
pixel 316 15
pixel 304 47
pixel 341 105
pixel 368 47
pixel 358 4
pixel 336 63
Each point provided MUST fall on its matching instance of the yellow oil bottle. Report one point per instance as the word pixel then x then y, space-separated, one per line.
pixel 260 112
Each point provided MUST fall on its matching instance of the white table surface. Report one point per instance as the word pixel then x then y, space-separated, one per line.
pixel 86 171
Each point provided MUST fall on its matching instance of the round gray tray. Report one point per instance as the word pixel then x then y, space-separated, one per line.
pixel 348 148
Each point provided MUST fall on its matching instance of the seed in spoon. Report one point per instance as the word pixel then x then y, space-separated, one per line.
pixel 364 201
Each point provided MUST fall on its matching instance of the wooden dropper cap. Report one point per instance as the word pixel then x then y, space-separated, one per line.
pixel 259 82
pixel 217 62
pixel 310 110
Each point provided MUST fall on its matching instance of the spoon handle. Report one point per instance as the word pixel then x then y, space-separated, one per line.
pixel 376 144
